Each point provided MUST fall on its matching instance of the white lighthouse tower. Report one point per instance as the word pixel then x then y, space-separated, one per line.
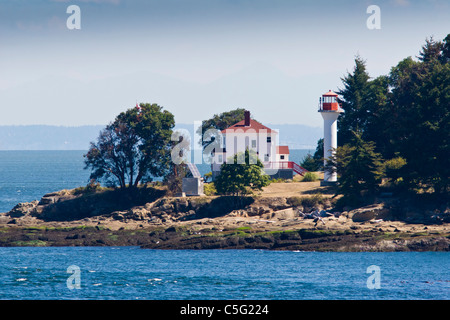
pixel 329 109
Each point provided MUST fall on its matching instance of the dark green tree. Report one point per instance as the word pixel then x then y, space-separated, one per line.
pixel 445 58
pixel 354 95
pixel 359 169
pixel 309 163
pixel 314 162
pixel 421 113
pixel 133 148
pixel 377 113
pixel 431 51
pixel 240 174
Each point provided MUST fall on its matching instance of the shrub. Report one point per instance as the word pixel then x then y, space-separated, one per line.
pixel 313 201
pixel 209 189
pixel 92 187
pixel 294 201
pixel 392 168
pixel 307 201
pixel 309 177
pixel 243 172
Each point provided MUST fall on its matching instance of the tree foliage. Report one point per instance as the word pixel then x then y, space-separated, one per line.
pixel 359 168
pixel 314 162
pixel 421 96
pixel 242 172
pixel 354 95
pixel 134 147
pixel 219 122
pixel 405 113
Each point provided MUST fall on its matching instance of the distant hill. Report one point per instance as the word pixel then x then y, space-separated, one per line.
pixel 44 137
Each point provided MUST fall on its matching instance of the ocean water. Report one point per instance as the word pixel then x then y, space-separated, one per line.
pixel 28 175
pixel 132 273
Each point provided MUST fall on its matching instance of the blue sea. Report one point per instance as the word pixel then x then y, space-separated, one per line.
pixel 131 273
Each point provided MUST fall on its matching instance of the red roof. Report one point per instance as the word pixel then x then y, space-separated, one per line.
pixel 254 125
pixel 282 150
pixel 330 93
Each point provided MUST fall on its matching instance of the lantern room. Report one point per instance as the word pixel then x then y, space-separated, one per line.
pixel 329 102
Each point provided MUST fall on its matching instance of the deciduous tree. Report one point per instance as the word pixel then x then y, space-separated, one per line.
pixel 135 147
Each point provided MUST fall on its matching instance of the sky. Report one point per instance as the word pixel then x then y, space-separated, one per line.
pixel 197 58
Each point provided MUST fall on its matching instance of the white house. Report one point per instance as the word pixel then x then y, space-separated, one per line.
pixel 252 135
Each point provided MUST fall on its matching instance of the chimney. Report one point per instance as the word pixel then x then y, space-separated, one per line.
pixel 247 118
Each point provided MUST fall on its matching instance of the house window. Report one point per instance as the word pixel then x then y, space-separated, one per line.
pixel 282 157
pixel 266 157
pixel 253 143
pixel 269 139
pixel 220 158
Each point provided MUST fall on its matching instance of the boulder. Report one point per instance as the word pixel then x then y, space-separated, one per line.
pixel 259 210
pixel 22 209
pixel 48 200
pixel 118 215
pixel 274 203
pixel 167 207
pixel 285 214
pixel 368 213
pixel 181 205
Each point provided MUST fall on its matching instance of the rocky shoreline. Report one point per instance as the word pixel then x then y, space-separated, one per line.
pixel 66 218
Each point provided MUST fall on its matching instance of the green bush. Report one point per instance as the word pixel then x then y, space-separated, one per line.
pixel 209 189
pixel 309 177
pixel 92 187
pixel 393 168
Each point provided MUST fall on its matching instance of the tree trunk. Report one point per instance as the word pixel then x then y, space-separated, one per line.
pixel 138 179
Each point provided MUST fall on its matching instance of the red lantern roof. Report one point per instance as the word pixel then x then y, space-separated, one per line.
pixel 330 93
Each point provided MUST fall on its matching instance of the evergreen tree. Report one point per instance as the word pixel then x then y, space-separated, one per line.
pixel 445 57
pixel 377 113
pixel 309 163
pixel 405 113
pixel 431 51
pixel 314 162
pixel 354 95
pixel 359 169
pixel 421 112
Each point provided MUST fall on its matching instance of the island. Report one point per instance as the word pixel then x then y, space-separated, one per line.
pixel 285 215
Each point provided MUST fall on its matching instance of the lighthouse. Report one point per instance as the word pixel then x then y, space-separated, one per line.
pixel 330 109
